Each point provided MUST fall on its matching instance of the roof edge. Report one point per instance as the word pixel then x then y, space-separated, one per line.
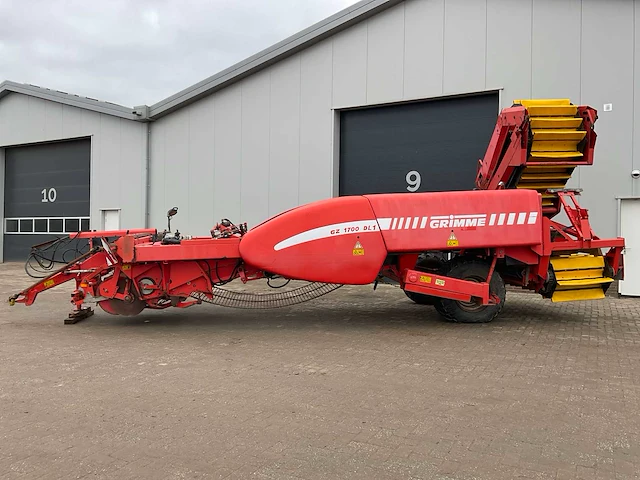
pixel 305 38
pixel 64 98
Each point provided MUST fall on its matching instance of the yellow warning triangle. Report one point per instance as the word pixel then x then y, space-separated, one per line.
pixel 358 249
pixel 452 241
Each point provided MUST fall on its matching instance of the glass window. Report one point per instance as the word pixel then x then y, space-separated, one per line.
pixel 11 226
pixel 26 226
pixel 40 225
pixel 55 225
pixel 72 225
pixel 84 225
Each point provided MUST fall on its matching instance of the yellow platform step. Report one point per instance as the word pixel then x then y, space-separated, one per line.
pixel 544 107
pixel 528 102
pixel 552 110
pixel 541 186
pixel 546 176
pixel 551 146
pixel 545 123
pixel 549 168
pixel 537 176
pixel 577 295
pixel 558 134
pixel 554 156
pixel 579 276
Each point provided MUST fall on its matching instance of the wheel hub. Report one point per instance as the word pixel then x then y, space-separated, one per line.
pixel 473 305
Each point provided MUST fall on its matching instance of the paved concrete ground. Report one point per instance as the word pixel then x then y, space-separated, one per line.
pixel 357 385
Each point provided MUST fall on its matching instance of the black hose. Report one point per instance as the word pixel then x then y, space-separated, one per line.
pixel 47 257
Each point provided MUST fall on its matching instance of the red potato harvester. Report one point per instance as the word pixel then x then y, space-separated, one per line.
pixel 454 250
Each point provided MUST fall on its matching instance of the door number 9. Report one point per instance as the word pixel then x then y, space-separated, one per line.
pixel 49 195
pixel 413 180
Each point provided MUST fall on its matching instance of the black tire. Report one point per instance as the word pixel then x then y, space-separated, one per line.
pixel 421 298
pixel 437 304
pixel 427 263
pixel 473 312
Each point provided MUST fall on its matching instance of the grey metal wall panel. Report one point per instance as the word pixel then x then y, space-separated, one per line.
pixel 176 170
pixel 509 47
pixel 14 116
pixel 53 120
pixel 315 123
pixel 157 213
pixel 227 145
pixel 2 203
pixel 465 32
pixel 132 173
pixel 37 114
pixel 117 145
pixel 350 66
pixel 201 169
pixel 72 121
pixel 284 123
pixel 91 122
pixel 636 96
pixel 109 175
pixel 607 77
pixel 385 52
pixel 424 48
pixel 256 102
pixel 555 67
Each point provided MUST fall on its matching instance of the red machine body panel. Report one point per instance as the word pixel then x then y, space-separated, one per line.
pixel 199 248
pixel 335 241
pixel 346 239
pixel 461 220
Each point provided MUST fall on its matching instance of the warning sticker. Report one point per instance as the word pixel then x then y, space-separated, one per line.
pixel 452 241
pixel 358 249
pixel 425 279
pixel 440 282
pixel 48 283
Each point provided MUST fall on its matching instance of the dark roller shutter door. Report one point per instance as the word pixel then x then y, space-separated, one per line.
pixel 427 146
pixel 46 195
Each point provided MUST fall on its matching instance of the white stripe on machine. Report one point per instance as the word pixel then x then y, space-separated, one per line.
pixel 458 221
pixel 335 230
pixel 409 223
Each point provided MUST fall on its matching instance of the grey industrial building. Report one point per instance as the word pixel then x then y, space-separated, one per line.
pixel 385 95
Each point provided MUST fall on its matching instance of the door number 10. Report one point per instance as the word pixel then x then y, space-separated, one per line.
pixel 413 180
pixel 49 195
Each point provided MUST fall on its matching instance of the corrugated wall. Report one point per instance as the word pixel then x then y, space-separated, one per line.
pixel 636 97
pixel 117 149
pixel 266 143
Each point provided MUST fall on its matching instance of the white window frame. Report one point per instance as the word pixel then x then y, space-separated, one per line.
pixel 48 219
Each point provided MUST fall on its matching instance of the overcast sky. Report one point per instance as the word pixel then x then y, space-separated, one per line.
pixel 137 52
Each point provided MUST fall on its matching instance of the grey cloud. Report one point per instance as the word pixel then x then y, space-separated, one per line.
pixel 134 52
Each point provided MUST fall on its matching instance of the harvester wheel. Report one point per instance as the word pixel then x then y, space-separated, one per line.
pixel 420 298
pixel 474 311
